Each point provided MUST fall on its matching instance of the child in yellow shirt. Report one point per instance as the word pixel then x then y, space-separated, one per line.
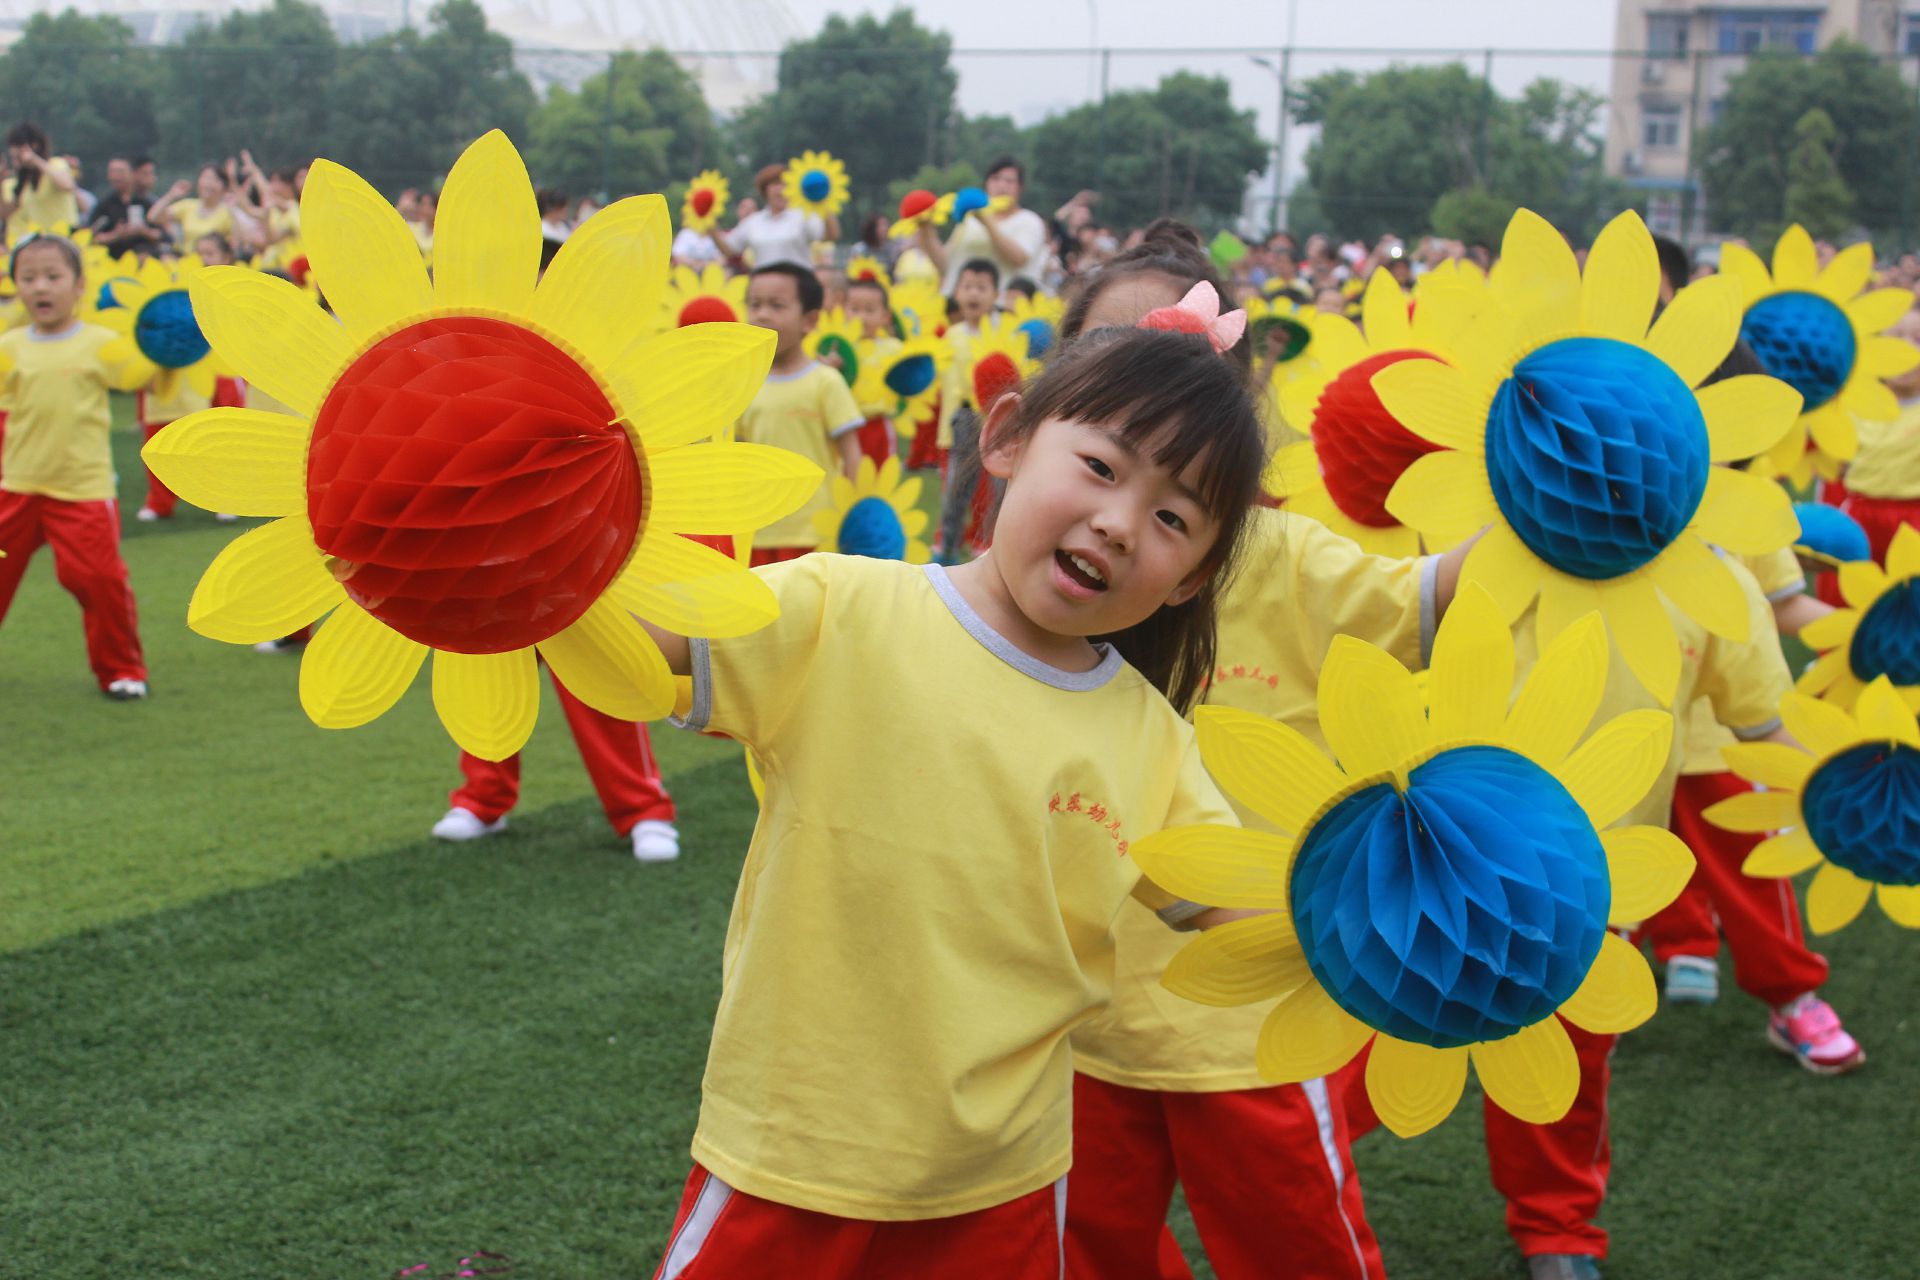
pixel 974 293
pixel 867 303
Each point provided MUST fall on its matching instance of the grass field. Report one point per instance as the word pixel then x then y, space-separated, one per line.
pixel 253 1023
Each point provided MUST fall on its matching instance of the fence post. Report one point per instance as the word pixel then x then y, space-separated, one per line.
pixel 606 131
pixel 1100 145
pixel 1485 164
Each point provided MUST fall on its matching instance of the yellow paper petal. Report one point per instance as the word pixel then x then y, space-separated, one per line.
pixel 1216 865
pixel 1562 692
pixel 1648 867
pixel 1835 897
pixel 692 590
pixel 487 701
pixel 486 235
pixel 1270 767
pixel 1434 401
pixel 1643 633
pixel 1831 427
pixel 1883 714
pixel 1829 670
pixel 1617 994
pixel 1704 588
pixel 606 281
pixel 1795 264
pixel 1535 252
pixel 1383 312
pixel 239 460
pixel 1830 630
pixel 1622 281
pixel 1787 854
pixel 271 333
pixel 1564 600
pixel 1413 1087
pixel 727 488
pixel 1870 399
pixel 1872 312
pixel 355 668
pixel 1472 670
pixel 1903 555
pixel 687 385
pixel 1501 563
pixel 1755 811
pixel 1861 582
pixel 1739 263
pixel 1771 764
pixel 1295 469
pixel 267 583
pixel 1818 726
pixel 1444 495
pixel 1308 1035
pixel 1371 710
pixel 1747 415
pixel 1744 514
pixel 1846 273
pixel 1888 357
pixel 1696 330
pixel 609 662
pixel 1612 771
pixel 1902 904
pixel 1533 1074
pixel 1242 962
pixel 364 257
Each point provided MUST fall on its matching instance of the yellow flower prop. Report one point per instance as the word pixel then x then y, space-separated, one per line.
pixel 1294 319
pixel 706 201
pixel 161 341
pixel 840 336
pixel 1877 634
pixel 874 515
pixel 1848 804
pixel 1575 432
pixel 816 182
pixel 706 296
pixel 920 206
pixel 1355 450
pixel 1039 318
pixel 997 362
pixel 919 310
pixel 1817 330
pixel 481 468
pixel 863 267
pixel 1444 890
pixel 1452 273
pixel 908 378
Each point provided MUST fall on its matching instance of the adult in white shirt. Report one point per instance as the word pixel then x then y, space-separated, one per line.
pixel 777 232
pixel 1014 240
pixel 694 249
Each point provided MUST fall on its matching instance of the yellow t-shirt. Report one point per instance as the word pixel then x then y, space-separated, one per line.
pixel 1780 577
pixel 1299 585
pixel 43 206
pixel 58 418
pixel 195 222
pixel 1888 464
pixel 804 412
pixel 285 226
pixel 926 910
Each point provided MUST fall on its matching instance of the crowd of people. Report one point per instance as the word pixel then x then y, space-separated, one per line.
pixel 900 1089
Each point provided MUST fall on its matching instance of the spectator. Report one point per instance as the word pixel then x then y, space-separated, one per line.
pixel 1014 239
pixel 120 221
pixel 778 232
pixel 39 195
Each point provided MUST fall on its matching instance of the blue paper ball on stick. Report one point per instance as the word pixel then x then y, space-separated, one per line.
pixel 167 333
pixel 1039 333
pixel 967 199
pixel 1830 534
pixel 1804 340
pixel 1887 640
pixel 816 185
pixel 872 527
pixel 1462 910
pixel 1597 454
pixel 1863 809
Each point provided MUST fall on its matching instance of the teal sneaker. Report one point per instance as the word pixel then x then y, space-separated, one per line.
pixel 1562 1266
pixel 1692 980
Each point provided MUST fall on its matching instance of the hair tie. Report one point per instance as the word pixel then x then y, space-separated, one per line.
pixel 1199 312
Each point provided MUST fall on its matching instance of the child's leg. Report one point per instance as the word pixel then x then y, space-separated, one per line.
pixel 160 499
pixel 85 537
pixel 1019 1240
pixel 1684 927
pixel 1269 1174
pixel 876 439
pixel 20 536
pixel 1554 1176
pixel 491 789
pixel 619 759
pixel 1121 1185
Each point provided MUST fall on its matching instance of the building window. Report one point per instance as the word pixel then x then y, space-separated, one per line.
pixel 1659 127
pixel 1751 30
pixel 1910 34
pixel 1667 35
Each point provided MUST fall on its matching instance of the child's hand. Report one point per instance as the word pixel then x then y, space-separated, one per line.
pixel 179 188
pixel 834 359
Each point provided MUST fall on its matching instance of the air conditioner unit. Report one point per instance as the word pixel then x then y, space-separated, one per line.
pixel 1632 162
pixel 1653 71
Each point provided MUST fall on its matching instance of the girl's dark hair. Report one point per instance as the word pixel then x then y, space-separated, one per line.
pixel 215 169
pixel 281 174
pixel 1172 399
pixel 1168 247
pixel 870 233
pixel 31 136
pixel 67 248
pixel 868 282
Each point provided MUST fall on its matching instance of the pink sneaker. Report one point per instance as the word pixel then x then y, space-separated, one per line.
pixel 1810 1030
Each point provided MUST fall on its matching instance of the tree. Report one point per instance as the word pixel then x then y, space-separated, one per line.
pixel 261 80
pixel 86 82
pixel 1817 196
pixel 655 132
pixel 1747 153
pixel 1471 214
pixel 1179 149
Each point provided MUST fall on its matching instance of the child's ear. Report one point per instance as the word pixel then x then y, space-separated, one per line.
pixel 1190 585
pixel 999 451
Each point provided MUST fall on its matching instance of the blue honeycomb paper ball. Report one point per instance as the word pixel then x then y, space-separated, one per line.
pixel 1597 454
pixel 872 528
pixel 104 300
pixel 167 333
pixel 911 376
pixel 1463 910
pixel 1039 333
pixel 967 199
pixel 1887 640
pixel 816 185
pixel 1863 809
pixel 1830 534
pixel 1804 340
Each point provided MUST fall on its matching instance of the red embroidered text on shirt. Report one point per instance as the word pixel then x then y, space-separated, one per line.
pixel 1094 812
pixel 1240 671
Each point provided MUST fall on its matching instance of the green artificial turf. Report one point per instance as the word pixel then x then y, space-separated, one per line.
pixel 254 1023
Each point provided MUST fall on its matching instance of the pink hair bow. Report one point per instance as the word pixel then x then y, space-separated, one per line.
pixel 1199 312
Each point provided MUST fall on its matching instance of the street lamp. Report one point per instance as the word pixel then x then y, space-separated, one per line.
pixel 1281 74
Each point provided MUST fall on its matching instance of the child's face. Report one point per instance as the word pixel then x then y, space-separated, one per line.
pixel 1093 537
pixel 47 285
pixel 974 292
pixel 212 186
pixel 869 308
pixel 773 302
pixel 212 252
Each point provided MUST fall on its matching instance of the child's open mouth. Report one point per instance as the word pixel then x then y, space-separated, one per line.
pixel 1080 572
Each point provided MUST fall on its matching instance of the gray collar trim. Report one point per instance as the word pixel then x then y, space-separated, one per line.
pixel 1002 648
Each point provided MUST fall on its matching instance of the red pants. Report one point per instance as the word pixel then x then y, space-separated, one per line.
pixel 775 555
pixel 1882 518
pixel 1268 1174
pixel 85 537
pixel 876 439
pixel 1761 918
pixel 724 1234
pixel 160 499
pixel 619 759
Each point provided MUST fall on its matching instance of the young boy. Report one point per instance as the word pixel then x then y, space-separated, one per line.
pixel 156 411
pixel 974 292
pixel 803 406
pixel 868 305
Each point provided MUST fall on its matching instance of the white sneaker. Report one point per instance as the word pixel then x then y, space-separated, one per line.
pixel 464 824
pixel 146 515
pixel 225 517
pixel 282 645
pixel 655 841
pixel 127 690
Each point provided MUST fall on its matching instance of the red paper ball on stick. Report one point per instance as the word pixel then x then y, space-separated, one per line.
pixel 1362 448
pixel 915 202
pixel 702 201
pixel 707 309
pixel 471 486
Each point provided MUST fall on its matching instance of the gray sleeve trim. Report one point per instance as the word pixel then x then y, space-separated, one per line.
pixel 700 714
pixel 1757 731
pixel 1429 607
pixel 1786 593
pixel 1179 915
pixel 845 427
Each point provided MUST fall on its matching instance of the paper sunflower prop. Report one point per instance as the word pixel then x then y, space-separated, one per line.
pixel 863 267
pixel 161 341
pixel 1576 434
pixel 1039 318
pixel 1268 313
pixel 909 378
pixel 1815 330
pixel 1849 804
pixel 1829 536
pixel 999 363
pixel 874 515
pixel 1446 887
pixel 482 468
pixel 1877 635
pixel 706 201
pixel 918 206
pixel 815 182
pixel 706 296
pixel 839 335
pixel 919 310
pixel 1356 450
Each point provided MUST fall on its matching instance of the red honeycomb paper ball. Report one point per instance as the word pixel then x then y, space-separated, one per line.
pixel 916 201
pixel 702 201
pixel 1362 448
pixel 707 309
pixel 994 375
pixel 469 481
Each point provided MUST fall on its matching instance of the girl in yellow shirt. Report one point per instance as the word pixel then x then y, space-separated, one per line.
pixel 40 194
pixel 206 215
